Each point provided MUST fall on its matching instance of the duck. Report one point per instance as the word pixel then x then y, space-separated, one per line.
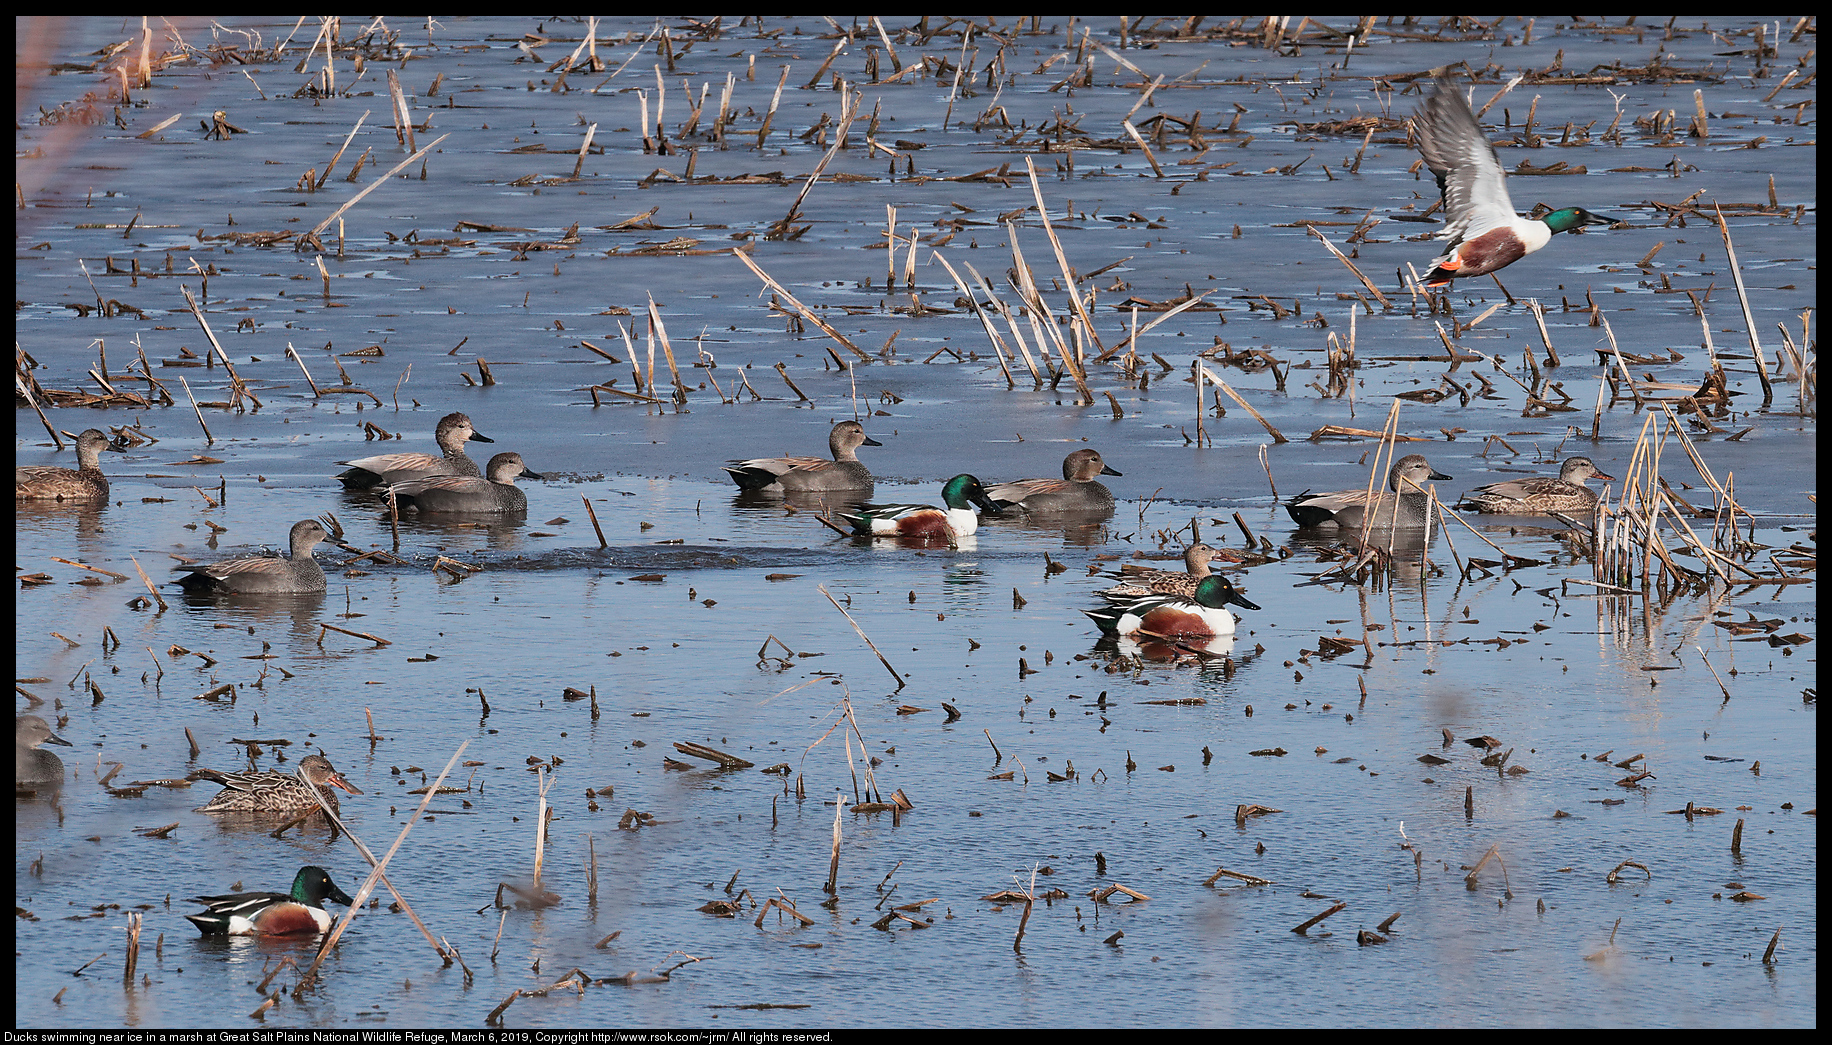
pixel 1485 233
pixel 467 493
pixel 813 474
pixel 1137 583
pixel 1202 614
pixel 272 914
pixel 1404 506
pixel 926 522
pixel 264 574
pixel 1077 490
pixel 453 432
pixel 1539 495
pixel 33 768
pixel 271 791
pixel 84 485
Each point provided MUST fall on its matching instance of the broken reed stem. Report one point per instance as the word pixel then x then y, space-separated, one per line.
pixel 862 635
pixel 805 312
pixel 375 875
pixel 372 186
pixel 1736 273
pixel 833 866
pixel 160 599
pixel 208 438
pixel 1277 436
pixel 1365 281
pixel 602 543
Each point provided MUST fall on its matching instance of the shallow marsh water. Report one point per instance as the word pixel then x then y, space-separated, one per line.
pixel 1544 941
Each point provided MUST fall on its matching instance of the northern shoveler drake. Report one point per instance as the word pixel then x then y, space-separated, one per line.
pixel 453 432
pixel 1403 504
pixel 271 791
pixel 1203 613
pixel 84 485
pixel 33 768
pixel 790 474
pixel 926 522
pixel 264 574
pixel 1136 583
pixel 1485 233
pixel 1539 495
pixel 467 493
pixel 1077 490
pixel 272 914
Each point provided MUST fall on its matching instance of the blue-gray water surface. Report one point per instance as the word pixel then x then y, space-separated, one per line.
pixel 1066 766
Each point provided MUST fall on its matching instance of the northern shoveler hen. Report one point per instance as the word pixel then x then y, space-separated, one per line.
pixel 271 791
pixel 1136 583
pixel 1540 495
pixel 467 493
pixel 1203 613
pixel 926 522
pixel 1485 233
pixel 453 432
pixel 272 914
pixel 1077 490
pixel 264 574
pixel 83 485
pixel 786 474
pixel 33 768
pixel 1402 504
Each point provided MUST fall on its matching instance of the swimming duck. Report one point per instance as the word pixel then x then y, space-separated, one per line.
pixel 1137 583
pixel 86 484
pixel 926 522
pixel 264 574
pixel 33 768
pixel 272 914
pixel 1539 495
pixel 453 432
pixel 782 474
pixel 468 493
pixel 1172 615
pixel 1402 505
pixel 1077 490
pixel 271 791
pixel 1485 233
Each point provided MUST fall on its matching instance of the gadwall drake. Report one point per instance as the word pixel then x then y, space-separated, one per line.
pixel 923 521
pixel 453 432
pixel 272 791
pixel 1137 582
pixel 1402 505
pixel 264 574
pixel 1202 613
pixel 1539 495
pixel 272 914
pixel 33 768
pixel 86 484
pixel 785 474
pixel 468 493
pixel 1484 232
pixel 1077 490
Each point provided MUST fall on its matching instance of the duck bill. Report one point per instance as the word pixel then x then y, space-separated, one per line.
pixel 1241 600
pixel 526 474
pixel 337 780
pixel 1605 476
pixel 869 441
pixel 479 437
pixel 1108 470
pixel 1599 219
pixel 340 896
pixel 1435 474
pixel 987 505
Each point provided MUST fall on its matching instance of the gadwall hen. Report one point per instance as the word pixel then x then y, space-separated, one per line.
pixel 272 791
pixel 264 574
pixel 33 768
pixel 923 521
pixel 1484 232
pixel 453 432
pixel 272 914
pixel 83 485
pixel 1077 490
pixel 1202 613
pixel 788 474
pixel 1137 582
pixel 1539 495
pixel 468 493
pixel 1402 505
